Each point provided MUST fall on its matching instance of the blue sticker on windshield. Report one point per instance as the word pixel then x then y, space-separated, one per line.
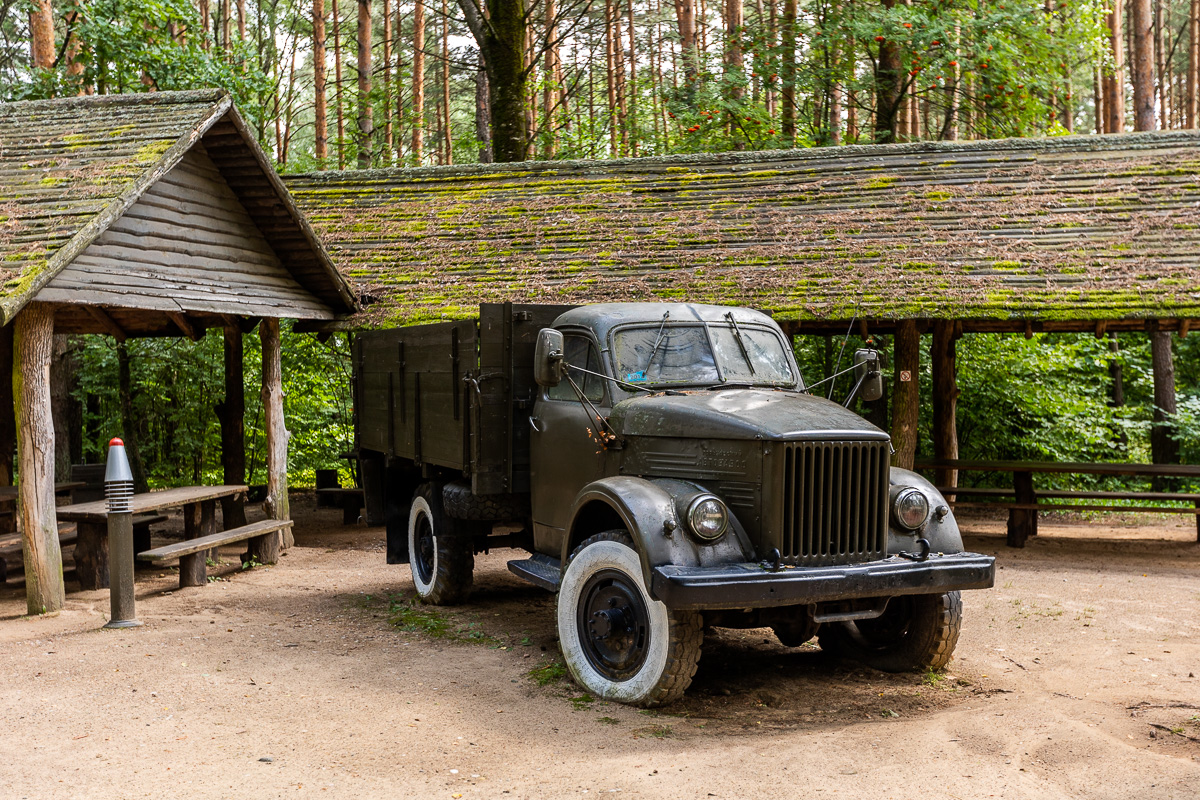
pixel 636 376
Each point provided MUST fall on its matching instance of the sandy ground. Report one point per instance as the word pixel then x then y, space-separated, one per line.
pixel 1075 677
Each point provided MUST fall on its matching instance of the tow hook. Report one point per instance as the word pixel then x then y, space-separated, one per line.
pixel 774 560
pixel 923 544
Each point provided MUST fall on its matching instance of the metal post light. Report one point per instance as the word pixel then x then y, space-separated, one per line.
pixel 118 494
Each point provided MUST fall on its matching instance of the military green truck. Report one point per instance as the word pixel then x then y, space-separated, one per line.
pixel 666 469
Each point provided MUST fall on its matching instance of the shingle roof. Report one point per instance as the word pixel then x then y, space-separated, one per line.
pixel 70 167
pixel 998 232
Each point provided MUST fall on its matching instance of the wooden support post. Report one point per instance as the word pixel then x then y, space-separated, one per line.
pixel 32 342
pixel 1164 449
pixel 8 427
pixel 945 400
pixel 267 549
pixel 192 567
pixel 906 397
pixel 91 555
pixel 1022 522
pixel 232 414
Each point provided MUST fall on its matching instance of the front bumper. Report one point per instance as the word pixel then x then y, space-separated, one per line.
pixel 753 586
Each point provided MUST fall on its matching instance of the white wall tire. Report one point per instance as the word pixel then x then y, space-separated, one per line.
pixel 441 562
pixel 637 651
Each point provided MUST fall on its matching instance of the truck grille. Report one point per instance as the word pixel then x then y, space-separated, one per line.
pixel 835 497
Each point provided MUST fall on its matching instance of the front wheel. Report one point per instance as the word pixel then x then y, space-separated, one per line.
pixel 618 642
pixel 440 554
pixel 916 632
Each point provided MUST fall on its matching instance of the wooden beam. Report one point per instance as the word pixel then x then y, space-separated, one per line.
pixel 1101 328
pixel 276 506
pixel 32 344
pixel 906 398
pixel 1028 329
pixel 1184 327
pixel 185 326
pixel 945 401
pixel 107 322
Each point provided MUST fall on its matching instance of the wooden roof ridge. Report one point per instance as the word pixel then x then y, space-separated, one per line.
pixel 74 208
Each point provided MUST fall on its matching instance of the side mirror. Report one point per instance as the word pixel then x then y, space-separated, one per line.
pixel 548 357
pixel 867 374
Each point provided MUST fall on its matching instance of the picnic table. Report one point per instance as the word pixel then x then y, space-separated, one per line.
pixel 1027 501
pixel 199 505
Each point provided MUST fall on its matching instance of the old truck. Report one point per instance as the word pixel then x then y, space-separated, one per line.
pixel 665 469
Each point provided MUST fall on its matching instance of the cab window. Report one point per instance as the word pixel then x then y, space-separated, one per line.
pixel 579 352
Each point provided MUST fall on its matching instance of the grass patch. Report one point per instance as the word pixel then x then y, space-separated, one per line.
pixel 609 720
pixel 582 702
pixel 408 616
pixel 548 673
pixel 657 731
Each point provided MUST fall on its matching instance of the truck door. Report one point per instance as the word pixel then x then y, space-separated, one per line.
pixel 563 449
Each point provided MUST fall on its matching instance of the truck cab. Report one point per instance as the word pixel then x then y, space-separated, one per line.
pixel 679 476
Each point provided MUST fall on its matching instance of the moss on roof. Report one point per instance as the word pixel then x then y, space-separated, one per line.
pixel 1086 227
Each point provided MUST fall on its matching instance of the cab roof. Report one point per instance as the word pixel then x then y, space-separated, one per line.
pixel 603 317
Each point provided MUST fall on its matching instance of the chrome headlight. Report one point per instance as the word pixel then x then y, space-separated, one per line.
pixel 707 518
pixel 910 507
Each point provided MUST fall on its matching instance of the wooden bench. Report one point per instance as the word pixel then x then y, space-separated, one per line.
pixel 351 501
pixel 1023 501
pixel 10 545
pixel 192 553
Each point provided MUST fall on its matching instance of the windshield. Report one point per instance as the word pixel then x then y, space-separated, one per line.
pixel 674 354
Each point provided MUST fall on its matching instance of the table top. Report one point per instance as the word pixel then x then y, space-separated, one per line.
pixel 97 511
pixel 10 492
pixel 1089 468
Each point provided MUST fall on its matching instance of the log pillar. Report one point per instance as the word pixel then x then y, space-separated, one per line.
pixel 906 397
pixel 32 344
pixel 1164 449
pixel 945 399
pixel 232 414
pixel 8 435
pixel 266 549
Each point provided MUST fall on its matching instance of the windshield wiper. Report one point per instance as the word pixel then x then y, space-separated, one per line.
pixel 737 335
pixel 657 342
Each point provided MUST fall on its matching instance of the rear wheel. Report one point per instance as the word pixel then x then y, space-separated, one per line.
pixel 440 550
pixel 916 632
pixel 618 642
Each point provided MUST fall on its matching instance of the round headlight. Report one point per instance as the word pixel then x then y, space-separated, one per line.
pixel 911 508
pixel 707 518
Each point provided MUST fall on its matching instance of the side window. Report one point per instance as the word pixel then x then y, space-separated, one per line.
pixel 580 352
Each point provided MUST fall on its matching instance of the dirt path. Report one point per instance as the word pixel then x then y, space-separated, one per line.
pixel 1063 672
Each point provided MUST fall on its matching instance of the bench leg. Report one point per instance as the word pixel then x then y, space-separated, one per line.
pixel 351 505
pixel 141 539
pixel 191 570
pixel 91 556
pixel 265 548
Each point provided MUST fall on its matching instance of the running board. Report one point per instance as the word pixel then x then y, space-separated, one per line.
pixel 540 570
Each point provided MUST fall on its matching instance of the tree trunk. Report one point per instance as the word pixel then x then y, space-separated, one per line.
pixel 41 34
pixel 483 114
pixel 906 358
pixel 734 60
pixel 205 23
pixel 33 341
pixel 129 424
pixel 1164 448
pixel 1114 83
pixel 945 400
pixel 1142 24
pixel 337 79
pixel 8 423
pixel 418 78
pixel 632 91
pixel 1193 75
pixel 889 88
pixel 231 412
pixel 276 506
pixel 685 15
pixel 787 72
pixel 610 73
pixel 550 91
pixel 449 139
pixel 388 137
pixel 366 126
pixel 504 53
pixel 320 111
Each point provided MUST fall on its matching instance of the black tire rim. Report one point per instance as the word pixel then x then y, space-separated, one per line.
pixel 886 631
pixel 422 559
pixel 613 625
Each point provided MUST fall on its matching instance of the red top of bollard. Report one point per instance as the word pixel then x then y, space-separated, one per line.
pixel 116 442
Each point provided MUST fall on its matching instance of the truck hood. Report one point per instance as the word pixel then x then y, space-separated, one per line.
pixel 740 414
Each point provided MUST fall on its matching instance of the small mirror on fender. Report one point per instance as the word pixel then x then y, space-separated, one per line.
pixel 548 357
pixel 867 374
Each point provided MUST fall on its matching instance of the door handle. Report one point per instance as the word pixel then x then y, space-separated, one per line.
pixel 535 423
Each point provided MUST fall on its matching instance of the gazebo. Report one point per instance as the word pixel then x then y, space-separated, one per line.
pixel 142 215
pixel 1076 233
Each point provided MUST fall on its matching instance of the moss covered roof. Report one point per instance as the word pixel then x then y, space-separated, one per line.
pixel 1070 228
pixel 70 167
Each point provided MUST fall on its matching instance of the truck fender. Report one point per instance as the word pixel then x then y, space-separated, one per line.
pixel 942 534
pixel 652 511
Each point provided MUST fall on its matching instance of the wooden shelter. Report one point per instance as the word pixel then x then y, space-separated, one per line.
pixel 1076 233
pixel 142 215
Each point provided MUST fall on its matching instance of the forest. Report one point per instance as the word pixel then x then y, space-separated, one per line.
pixel 332 84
